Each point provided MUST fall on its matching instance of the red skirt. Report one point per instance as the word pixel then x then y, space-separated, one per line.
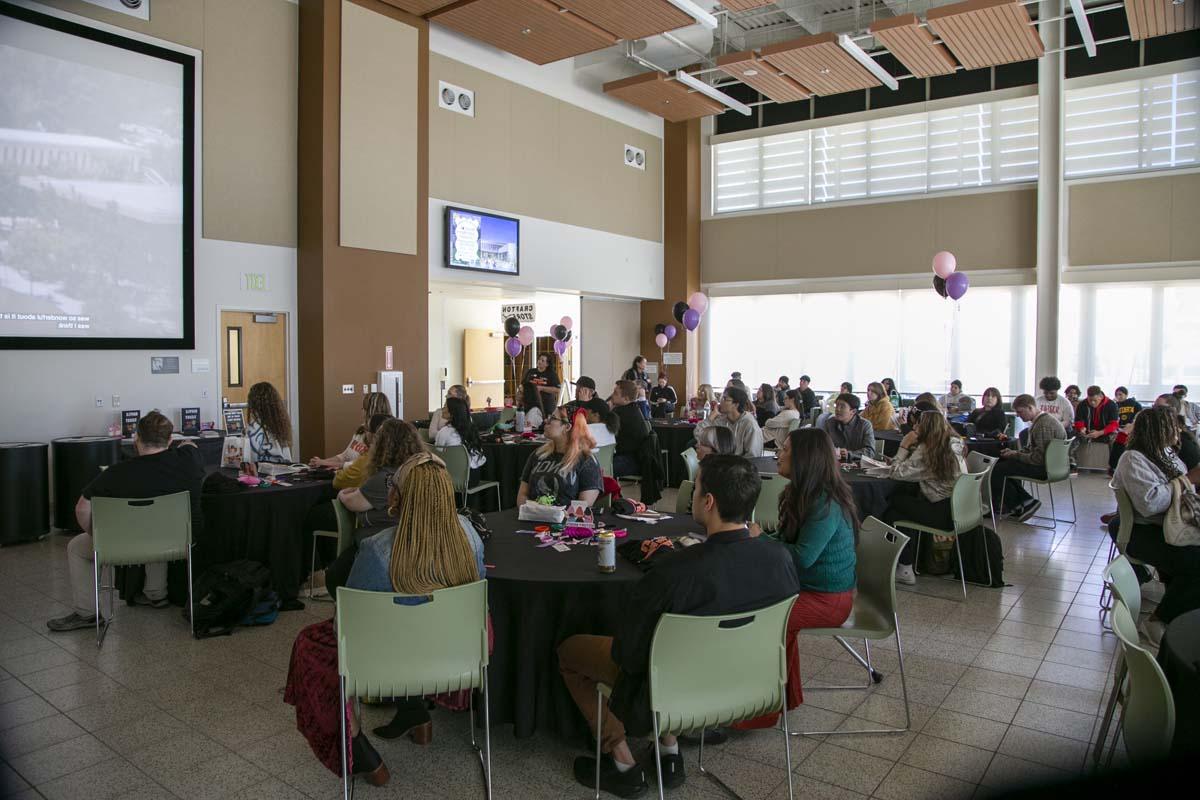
pixel 812 610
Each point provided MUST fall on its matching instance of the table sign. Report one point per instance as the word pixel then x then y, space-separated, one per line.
pixel 129 421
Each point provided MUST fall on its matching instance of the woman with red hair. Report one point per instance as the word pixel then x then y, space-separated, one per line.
pixel 564 467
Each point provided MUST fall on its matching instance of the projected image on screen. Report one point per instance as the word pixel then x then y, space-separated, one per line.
pixel 479 241
pixel 92 183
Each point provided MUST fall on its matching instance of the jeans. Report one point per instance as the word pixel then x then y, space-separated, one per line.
pixel 1179 567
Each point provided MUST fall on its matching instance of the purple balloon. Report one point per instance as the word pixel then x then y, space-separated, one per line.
pixel 957 285
pixel 670 331
pixel 560 347
pixel 513 347
pixel 691 319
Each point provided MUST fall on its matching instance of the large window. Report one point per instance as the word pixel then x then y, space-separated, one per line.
pixel 913 336
pixel 1133 126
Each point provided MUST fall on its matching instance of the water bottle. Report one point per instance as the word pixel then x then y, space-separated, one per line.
pixel 520 421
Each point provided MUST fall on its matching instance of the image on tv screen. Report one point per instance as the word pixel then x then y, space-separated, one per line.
pixel 479 241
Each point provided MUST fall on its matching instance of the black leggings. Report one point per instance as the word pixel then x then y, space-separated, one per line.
pixel 908 503
pixel 1179 567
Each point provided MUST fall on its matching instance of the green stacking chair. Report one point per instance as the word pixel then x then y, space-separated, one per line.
pixel 683 500
pixel 1122 582
pixel 691 659
pixel 692 461
pixel 387 649
pixel 127 531
pixel 1058 470
pixel 507 416
pixel 873 615
pixel 458 464
pixel 794 425
pixel 344 536
pixel 766 510
pixel 966 509
pixel 1148 711
pixel 604 456
pixel 978 462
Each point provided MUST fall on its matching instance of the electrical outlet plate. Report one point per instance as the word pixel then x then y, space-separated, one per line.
pixel 634 157
pixel 347 388
pixel 99 402
pixel 116 401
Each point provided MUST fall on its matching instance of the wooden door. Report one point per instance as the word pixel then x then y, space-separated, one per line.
pixel 253 349
pixel 483 366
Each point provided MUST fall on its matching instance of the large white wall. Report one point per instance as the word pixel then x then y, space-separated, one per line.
pixel 611 339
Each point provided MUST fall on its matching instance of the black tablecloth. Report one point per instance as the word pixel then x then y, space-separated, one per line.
pixel 538 597
pixel 891 441
pixel 986 446
pixel 505 463
pixel 674 436
pixel 264 525
pixel 210 448
pixel 871 495
pixel 24 491
pixel 1179 657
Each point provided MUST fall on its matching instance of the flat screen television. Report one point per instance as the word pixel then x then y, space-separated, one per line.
pixel 482 242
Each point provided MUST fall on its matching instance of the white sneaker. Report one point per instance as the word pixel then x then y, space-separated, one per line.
pixel 1153 630
pixel 905 575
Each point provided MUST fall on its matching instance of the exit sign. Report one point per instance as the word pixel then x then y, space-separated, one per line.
pixel 254 281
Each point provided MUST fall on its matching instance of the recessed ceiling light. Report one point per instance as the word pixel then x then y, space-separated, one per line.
pixel 527 31
pixel 824 70
pixel 750 73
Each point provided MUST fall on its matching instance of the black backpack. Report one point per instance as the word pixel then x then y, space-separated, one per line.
pixel 225 594
pixel 979 548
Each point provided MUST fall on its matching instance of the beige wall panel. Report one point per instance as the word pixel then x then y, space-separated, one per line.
pixel 739 248
pixel 250 121
pixel 581 198
pixel 483 172
pixel 991 230
pixel 637 194
pixel 378 198
pixel 179 21
pixel 1120 222
pixel 1185 218
pixel 533 147
pixel 441 129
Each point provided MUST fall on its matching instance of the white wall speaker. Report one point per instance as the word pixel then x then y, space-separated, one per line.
pixel 634 157
pixel 456 99
pixel 134 8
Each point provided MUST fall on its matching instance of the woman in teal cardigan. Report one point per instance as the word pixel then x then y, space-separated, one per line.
pixel 818 524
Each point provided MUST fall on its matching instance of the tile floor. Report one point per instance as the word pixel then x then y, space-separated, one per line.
pixel 1005 690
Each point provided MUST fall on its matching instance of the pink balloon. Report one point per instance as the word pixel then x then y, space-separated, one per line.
pixel 944 264
pixel 567 323
pixel 698 302
pixel 512 347
pixel 956 285
pixel 525 335
pixel 661 340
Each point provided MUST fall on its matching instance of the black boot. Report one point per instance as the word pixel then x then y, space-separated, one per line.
pixel 368 762
pixel 412 718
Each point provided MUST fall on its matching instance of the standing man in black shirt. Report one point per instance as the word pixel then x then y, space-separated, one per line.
pixel 159 469
pixel 730 572
pixel 543 384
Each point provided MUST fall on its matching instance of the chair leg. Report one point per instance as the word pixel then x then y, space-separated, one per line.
pixel 962 572
pixel 191 599
pixel 345 742
pixel 658 754
pixel 96 589
pixel 599 728
pixel 1110 708
pixel 312 566
pixel 873 676
pixel 787 740
pixel 487 737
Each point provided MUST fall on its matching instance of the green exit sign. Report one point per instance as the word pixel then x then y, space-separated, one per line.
pixel 254 281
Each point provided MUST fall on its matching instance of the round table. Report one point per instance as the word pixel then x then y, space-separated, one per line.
pixel 871 495
pixel 674 436
pixel 891 441
pixel 77 460
pixel 210 448
pixel 262 524
pixel 1179 657
pixel 538 597
pixel 24 491
pixel 505 463
pixel 987 446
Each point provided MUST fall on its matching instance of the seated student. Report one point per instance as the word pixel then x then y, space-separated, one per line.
pixel 729 572
pixel 437 420
pixel 374 404
pixel 807 395
pixel 879 411
pixel 853 436
pixel 633 429
pixel 353 473
pixel 564 466
pixel 775 432
pixel 585 398
pixel 158 469
pixel 1145 472
pixel 1095 420
pixel 531 403
pixel 781 390
pixel 922 403
pixel 892 392
pixel 831 401
pixel 735 414
pixel 637 373
pixel 929 461
pixel 662 399
pixel 643 403
pixel 1030 462
pixel 1189 446
pixel 765 406
pixel 460 430
pixel 1191 411
pixel 715 439
pixel 430 547
pixel 269 428
pixel 705 400
pixel 1073 393
pixel 1127 408
pixel 956 403
pixel 1051 402
pixel 989 419
pixel 396 441
pixel 545 385
pixel 603 426
pixel 818 524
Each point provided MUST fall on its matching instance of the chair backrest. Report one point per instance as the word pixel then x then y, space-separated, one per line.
pixel 1125 515
pixel 604 457
pixel 1148 716
pixel 876 555
pixel 1120 576
pixel 1058 460
pixel 966 502
pixel 978 462
pixel 692 461
pixel 387 648
pixel 710 671
pixel 683 500
pixel 507 415
pixel 766 510
pixel 142 530
pixel 458 464
pixel 815 413
pixel 879 445
pixel 346 523
pixel 794 425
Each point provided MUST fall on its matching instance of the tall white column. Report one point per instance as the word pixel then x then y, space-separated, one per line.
pixel 1049 191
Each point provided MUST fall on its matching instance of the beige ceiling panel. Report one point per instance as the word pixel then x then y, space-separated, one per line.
pixel 630 19
pixel 1159 17
pixel 914 46
pixel 765 78
pixel 669 99
pixel 984 33
pixel 819 63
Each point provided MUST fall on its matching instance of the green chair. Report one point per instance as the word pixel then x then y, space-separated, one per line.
pixel 766 510
pixel 692 461
pixel 978 462
pixel 690 661
pixel 1148 712
pixel 507 416
pixel 794 425
pixel 604 456
pixel 683 500
pixel 880 445
pixel 873 615
pixel 1058 470
pixel 1122 582
pixel 966 509
pixel 127 531
pixel 344 535
pixel 458 464
pixel 390 649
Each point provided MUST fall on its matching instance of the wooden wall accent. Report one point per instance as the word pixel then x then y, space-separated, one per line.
pixel 984 33
pixel 819 63
pixel 914 46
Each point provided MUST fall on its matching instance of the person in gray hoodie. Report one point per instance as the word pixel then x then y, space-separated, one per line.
pixel 853 436
pixel 736 412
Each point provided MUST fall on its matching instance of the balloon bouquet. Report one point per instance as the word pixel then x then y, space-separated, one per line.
pixel 947 281
pixel 687 314
pixel 522 336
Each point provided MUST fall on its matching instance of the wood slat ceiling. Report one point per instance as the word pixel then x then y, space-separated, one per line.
pixel 419 7
pixel 767 80
pixel 745 5
pixel 670 100
pixel 914 46
pixel 984 33
pixel 630 19
pixel 1159 17
pixel 535 30
pixel 820 64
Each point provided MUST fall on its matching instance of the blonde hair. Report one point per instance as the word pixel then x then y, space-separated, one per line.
pixel 706 393
pixel 374 403
pixel 430 550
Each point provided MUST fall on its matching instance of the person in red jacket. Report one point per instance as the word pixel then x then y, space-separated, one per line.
pixel 1097 419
